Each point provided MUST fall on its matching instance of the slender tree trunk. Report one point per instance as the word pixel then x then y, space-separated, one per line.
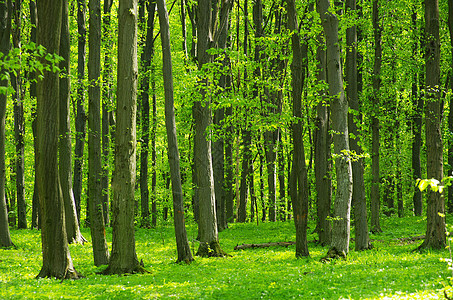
pixel 57 260
pixel 65 146
pixel 100 249
pixel 299 181
pixel 450 114
pixel 106 112
pixel 209 240
pixel 124 258
pixel 5 30
pixel 435 231
pixel 362 240
pixel 229 166
pixel 375 144
pixel 339 105
pixel 146 58
pixel 323 157
pixel 80 120
pixel 182 242
pixel 19 125
pixel 35 203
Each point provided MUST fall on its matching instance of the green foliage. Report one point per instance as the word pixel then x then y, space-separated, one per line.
pixel 390 270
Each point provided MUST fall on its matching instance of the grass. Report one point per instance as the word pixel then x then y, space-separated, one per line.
pixel 390 270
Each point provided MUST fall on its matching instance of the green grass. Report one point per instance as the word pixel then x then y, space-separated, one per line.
pixel 390 270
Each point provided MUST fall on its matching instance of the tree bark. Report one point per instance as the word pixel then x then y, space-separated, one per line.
pixel 65 146
pixel 208 233
pixel 124 258
pixel 299 181
pixel 19 122
pixel 107 95
pixel 98 238
pixel 5 30
pixel 323 157
pixel 342 204
pixel 362 240
pixel 450 114
pixel 182 243
pixel 435 231
pixel 57 260
pixel 375 143
pixel 147 55
pixel 80 119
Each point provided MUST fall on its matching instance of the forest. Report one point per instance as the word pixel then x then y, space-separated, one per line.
pixel 279 137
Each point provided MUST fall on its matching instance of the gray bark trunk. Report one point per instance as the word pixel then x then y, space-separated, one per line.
pixel 339 105
pixel 182 242
pixel 98 238
pixel 435 211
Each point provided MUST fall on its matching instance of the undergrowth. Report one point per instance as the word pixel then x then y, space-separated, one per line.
pixel 390 270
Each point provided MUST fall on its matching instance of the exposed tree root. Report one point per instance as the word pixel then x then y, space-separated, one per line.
pixel 332 254
pixel 115 270
pixel 67 274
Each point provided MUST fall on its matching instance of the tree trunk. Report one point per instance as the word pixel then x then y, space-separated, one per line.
pixel 299 181
pixel 362 240
pixel 80 120
pixel 229 167
pixel 375 144
pixel 435 231
pixel 98 238
pixel 450 114
pixel 5 30
pixel 146 58
pixel 209 240
pixel 182 242
pixel 124 258
pixel 342 204
pixel 19 125
pixel 65 146
pixel 57 260
pixel 323 157
pixel 35 203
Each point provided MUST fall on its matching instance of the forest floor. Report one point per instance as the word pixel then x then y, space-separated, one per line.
pixel 389 271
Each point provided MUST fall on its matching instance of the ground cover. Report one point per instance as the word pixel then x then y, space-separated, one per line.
pixel 390 270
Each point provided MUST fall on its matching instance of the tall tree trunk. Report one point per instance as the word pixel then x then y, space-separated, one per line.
pixel 209 240
pixel 124 258
pixel 323 157
pixel 246 134
pixel 362 240
pixel 450 114
pixel 5 31
pixel 182 242
pixel 57 260
pixel 35 203
pixel 375 143
pixel 80 120
pixel 65 146
pixel 339 105
pixel 229 165
pixel 435 231
pixel 107 96
pixel 299 181
pixel 146 58
pixel 100 249
pixel 19 125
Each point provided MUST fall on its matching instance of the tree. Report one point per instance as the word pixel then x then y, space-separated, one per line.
pixel 80 119
pixel 298 181
pixel 5 29
pixel 57 261
pixel 207 224
pixel 64 145
pixel 182 243
pixel 339 108
pixel 375 194
pixel 362 240
pixel 19 122
pixel 123 258
pixel 435 237
pixel 100 249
